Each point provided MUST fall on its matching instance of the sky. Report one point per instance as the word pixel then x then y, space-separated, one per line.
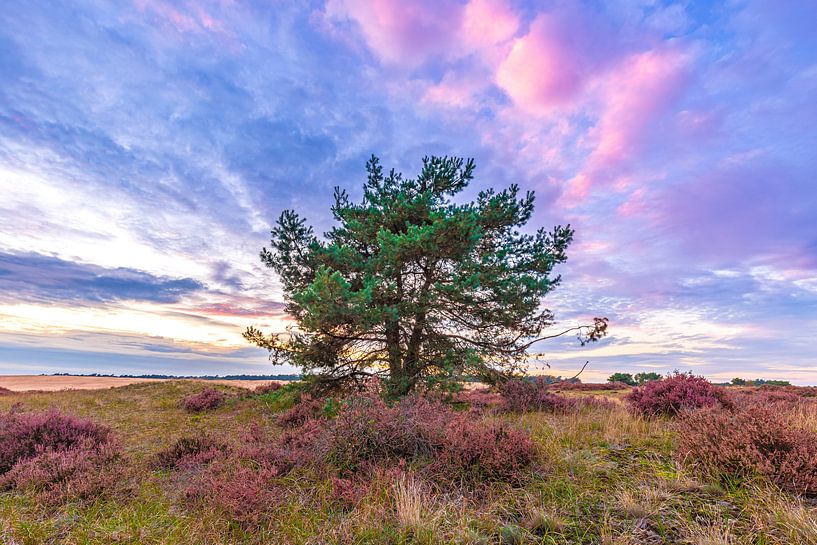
pixel 146 146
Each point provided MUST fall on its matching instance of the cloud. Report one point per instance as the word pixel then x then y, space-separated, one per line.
pixel 34 277
pixel 634 97
pixel 549 66
pixel 401 32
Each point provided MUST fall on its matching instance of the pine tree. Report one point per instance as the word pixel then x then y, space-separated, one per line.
pixel 412 286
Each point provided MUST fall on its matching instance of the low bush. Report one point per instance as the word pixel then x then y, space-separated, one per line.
pixel 752 440
pixel 590 386
pixel 206 400
pixel 57 457
pixel 190 451
pixel 306 408
pixel 79 474
pixel 24 435
pixel 479 452
pixel 450 445
pixel 267 388
pixel 676 393
pixel 478 400
pixel 5 391
pixel 521 395
pixel 245 494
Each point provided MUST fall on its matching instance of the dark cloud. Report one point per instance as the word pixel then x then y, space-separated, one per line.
pixel 38 278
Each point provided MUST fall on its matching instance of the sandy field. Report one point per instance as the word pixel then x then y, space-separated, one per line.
pixel 20 383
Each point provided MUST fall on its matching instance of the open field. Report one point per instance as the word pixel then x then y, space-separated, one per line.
pixel 599 475
pixel 49 383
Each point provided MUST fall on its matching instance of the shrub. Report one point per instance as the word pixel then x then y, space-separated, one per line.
pixel 190 451
pixel 24 435
pixel 478 400
pixel 519 396
pixel 484 452
pixel 58 457
pixel 754 440
pixel 590 386
pixel 206 400
pixel 450 445
pixel 267 388
pixel 5 391
pixel 307 408
pixel 674 394
pixel 78 474
pixel 245 494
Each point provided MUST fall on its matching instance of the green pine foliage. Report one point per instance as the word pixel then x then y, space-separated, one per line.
pixel 413 286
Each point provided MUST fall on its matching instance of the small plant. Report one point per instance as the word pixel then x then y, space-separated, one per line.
pixel 268 388
pixel 206 400
pixel 247 495
pixel 57 457
pixel 307 408
pixel 590 386
pixel 190 451
pixel 476 452
pixel 78 474
pixel 753 440
pixel 24 435
pixel 521 395
pixel 5 391
pixel 674 394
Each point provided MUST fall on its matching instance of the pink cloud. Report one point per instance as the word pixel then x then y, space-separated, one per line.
pixel 190 19
pixel 410 33
pixel 633 96
pixel 487 23
pixel 401 32
pixel 543 69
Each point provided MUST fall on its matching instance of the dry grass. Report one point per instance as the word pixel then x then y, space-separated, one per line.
pixel 604 476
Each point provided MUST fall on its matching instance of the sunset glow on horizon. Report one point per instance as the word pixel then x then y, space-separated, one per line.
pixel 147 146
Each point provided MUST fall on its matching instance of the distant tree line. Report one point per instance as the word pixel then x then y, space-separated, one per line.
pixel 759 382
pixel 641 378
pixel 633 380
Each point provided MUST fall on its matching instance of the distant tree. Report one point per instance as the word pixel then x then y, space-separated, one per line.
pixel 626 378
pixel 641 378
pixel 765 382
pixel 411 286
pixel 738 382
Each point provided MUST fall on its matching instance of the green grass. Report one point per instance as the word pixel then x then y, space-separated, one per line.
pixel 605 477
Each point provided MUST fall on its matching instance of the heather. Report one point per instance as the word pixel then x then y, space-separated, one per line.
pixel 523 395
pixel 57 457
pixel 674 394
pixel 754 440
pixel 361 467
pixel 206 400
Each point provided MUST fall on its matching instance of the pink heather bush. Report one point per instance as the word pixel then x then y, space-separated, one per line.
pixel 754 440
pixel 268 388
pixel 58 457
pixel 349 492
pixel 24 435
pixel 478 400
pixel 190 451
pixel 478 452
pixel 307 408
pixel 205 400
pixel 520 396
pixel 676 393
pixel 453 446
pixel 590 386
pixel 79 474
pixel 245 494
